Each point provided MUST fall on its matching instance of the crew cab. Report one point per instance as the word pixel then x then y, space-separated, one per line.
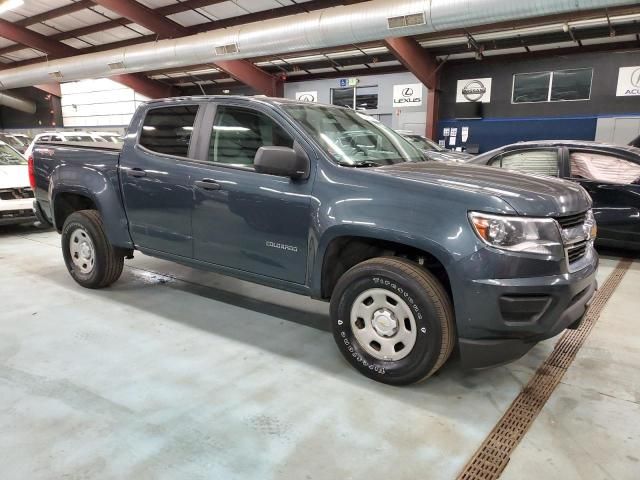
pixel 415 257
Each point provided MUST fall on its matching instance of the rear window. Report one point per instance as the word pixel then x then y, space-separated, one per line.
pixel 168 130
pixel 78 138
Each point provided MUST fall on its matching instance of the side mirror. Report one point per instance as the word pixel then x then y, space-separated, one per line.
pixel 282 161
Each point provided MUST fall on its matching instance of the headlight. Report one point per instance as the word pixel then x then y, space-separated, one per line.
pixel 590 226
pixel 538 236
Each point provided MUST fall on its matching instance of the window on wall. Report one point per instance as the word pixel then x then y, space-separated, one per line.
pixel 366 97
pixel 556 86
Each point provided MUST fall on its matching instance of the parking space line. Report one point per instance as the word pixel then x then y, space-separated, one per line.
pixel 491 458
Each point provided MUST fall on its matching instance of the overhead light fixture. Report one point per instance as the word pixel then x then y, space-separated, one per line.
pixel 10 5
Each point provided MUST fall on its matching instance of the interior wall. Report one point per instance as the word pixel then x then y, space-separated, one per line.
pixel 48 112
pixel 504 122
pixel 98 103
pixel 405 118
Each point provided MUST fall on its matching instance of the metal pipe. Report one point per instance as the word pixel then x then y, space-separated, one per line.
pixel 17 103
pixel 331 27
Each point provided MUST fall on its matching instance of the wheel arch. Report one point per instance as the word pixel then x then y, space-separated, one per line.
pixel 342 248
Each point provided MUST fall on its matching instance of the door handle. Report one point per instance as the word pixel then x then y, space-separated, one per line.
pixel 137 172
pixel 207 184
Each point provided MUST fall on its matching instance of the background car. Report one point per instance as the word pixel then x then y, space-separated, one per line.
pixel 610 173
pixel 16 196
pixel 60 137
pixel 13 141
pixel 434 151
pixel 111 137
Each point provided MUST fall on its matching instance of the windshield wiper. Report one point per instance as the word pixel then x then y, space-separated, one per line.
pixel 359 164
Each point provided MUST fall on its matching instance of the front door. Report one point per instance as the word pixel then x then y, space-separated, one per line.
pixel 242 219
pixel 613 183
pixel 155 180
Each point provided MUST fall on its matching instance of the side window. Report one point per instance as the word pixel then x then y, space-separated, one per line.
pixel 56 138
pixel 43 139
pixel 239 132
pixel 603 167
pixel 542 162
pixel 168 129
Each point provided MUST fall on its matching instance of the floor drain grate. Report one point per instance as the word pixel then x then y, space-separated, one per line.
pixel 493 455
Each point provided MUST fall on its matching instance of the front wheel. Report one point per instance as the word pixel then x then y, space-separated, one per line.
pixel 392 320
pixel 91 260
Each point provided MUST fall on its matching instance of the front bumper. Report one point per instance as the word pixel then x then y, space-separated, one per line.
pixel 16 211
pixel 512 315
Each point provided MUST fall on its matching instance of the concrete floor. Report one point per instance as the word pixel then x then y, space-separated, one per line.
pixel 176 373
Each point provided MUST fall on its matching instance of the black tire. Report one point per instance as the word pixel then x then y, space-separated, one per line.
pixel 426 299
pixel 108 260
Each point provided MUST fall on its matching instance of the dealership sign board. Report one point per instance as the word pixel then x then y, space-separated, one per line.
pixel 409 95
pixel 307 96
pixel 628 82
pixel 474 90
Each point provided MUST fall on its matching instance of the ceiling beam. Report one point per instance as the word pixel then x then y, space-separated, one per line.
pixel 415 59
pixel 252 76
pixel 241 70
pixel 145 16
pixel 29 38
pixel 55 13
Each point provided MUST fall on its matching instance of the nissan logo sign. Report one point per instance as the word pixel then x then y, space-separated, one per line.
pixel 307 97
pixel 474 90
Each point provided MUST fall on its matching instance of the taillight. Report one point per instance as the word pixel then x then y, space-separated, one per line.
pixel 32 173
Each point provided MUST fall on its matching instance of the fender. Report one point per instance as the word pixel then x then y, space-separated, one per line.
pixel 101 186
pixel 341 230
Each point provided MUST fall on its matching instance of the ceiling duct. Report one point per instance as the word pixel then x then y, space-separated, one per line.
pixel 17 103
pixel 331 27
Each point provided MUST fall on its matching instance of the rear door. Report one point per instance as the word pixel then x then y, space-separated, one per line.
pixel 243 219
pixel 156 185
pixel 613 182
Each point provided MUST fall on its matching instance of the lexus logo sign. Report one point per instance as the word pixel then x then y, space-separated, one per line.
pixel 628 82
pixel 311 97
pixel 474 90
pixel 407 95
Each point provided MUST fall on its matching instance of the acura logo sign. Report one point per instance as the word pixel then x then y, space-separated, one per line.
pixel 474 90
pixel 635 78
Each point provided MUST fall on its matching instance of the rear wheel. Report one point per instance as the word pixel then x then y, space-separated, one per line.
pixel 392 320
pixel 90 259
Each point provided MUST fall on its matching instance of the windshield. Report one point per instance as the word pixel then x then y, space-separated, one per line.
pixel 14 142
pixel 424 143
pixel 8 156
pixel 354 139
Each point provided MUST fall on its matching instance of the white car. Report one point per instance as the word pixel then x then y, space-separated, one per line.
pixel 16 196
pixel 60 137
pixel 111 137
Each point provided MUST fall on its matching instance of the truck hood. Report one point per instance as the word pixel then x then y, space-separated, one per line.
pixel 12 176
pixel 528 195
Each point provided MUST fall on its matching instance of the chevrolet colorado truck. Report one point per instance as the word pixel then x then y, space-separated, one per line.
pixel 416 257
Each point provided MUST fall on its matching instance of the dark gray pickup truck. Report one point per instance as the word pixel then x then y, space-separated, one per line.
pixel 416 257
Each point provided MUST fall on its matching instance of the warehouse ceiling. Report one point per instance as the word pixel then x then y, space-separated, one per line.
pixel 42 29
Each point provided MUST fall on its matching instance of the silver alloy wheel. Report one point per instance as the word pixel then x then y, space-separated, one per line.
pixel 83 253
pixel 383 324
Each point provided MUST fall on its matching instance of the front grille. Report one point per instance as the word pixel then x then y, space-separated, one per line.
pixel 16 193
pixel 571 221
pixel 576 251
